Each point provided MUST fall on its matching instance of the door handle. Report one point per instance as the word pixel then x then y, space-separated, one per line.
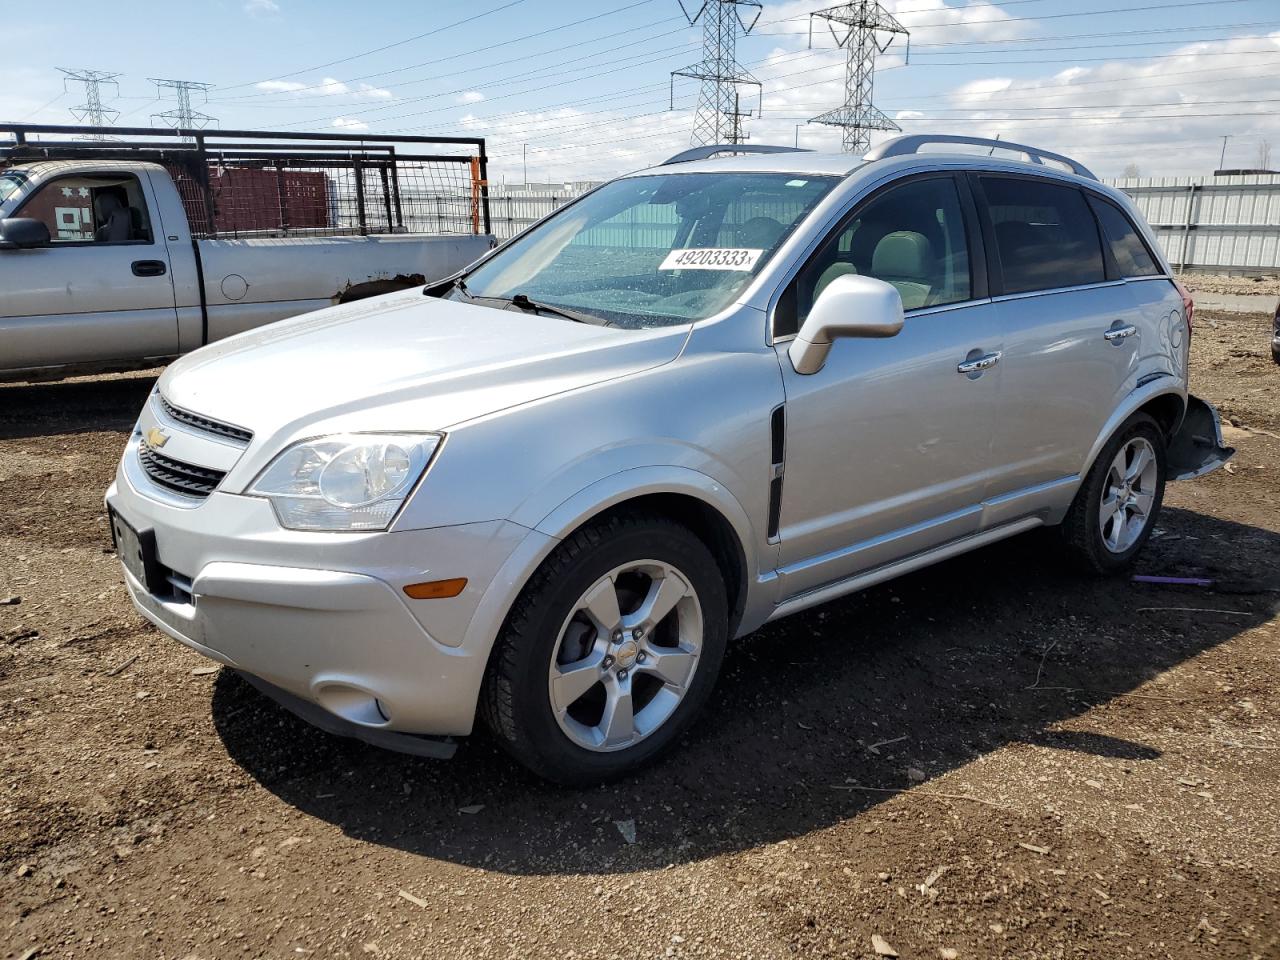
pixel 148 268
pixel 978 364
pixel 1116 334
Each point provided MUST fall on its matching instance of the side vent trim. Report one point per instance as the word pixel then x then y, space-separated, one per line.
pixel 778 456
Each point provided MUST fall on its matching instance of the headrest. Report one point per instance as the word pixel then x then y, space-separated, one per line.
pixel 903 253
pixel 760 232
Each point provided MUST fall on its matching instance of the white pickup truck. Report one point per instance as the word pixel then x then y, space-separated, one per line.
pixel 117 254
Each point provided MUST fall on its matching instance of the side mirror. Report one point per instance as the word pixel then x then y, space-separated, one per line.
pixel 19 233
pixel 850 306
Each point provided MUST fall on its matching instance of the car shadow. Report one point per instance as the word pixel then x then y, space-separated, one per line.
pixel 73 406
pixel 914 678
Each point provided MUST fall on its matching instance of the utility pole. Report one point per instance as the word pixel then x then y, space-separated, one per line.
pixel 863 21
pixel 526 163
pixel 718 119
pixel 735 129
pixel 184 116
pixel 92 112
pixel 1222 160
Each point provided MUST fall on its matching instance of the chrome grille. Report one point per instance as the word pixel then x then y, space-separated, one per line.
pixel 206 424
pixel 185 478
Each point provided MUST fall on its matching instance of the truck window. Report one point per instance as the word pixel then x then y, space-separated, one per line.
pixel 1046 236
pixel 1132 257
pixel 910 236
pixel 91 209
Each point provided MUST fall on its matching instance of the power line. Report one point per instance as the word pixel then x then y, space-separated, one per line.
pixel 485 49
pixel 717 119
pixel 92 112
pixel 388 46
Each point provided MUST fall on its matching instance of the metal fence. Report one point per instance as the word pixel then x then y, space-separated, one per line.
pixel 1228 224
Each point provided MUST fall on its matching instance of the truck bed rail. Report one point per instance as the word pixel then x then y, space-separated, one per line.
pixel 236 183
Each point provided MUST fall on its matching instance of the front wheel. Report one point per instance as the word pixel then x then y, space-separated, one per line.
pixel 610 651
pixel 1116 507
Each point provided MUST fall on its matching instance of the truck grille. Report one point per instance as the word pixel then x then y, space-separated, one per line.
pixel 175 475
pixel 206 424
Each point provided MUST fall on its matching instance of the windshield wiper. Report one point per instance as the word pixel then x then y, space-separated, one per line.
pixel 535 306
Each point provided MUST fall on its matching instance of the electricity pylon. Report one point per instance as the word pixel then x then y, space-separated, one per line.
pixel 718 119
pixel 184 116
pixel 92 112
pixel 863 20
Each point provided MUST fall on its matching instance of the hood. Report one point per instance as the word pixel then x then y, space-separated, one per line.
pixel 403 362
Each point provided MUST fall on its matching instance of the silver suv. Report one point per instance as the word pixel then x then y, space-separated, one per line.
pixel 702 397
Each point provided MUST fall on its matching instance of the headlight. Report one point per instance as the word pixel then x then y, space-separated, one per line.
pixel 352 481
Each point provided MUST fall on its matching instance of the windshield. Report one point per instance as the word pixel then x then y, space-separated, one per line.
pixel 653 250
pixel 10 182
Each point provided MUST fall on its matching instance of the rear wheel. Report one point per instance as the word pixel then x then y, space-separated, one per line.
pixel 1116 507
pixel 610 651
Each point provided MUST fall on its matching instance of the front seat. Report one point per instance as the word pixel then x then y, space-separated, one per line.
pixel 116 223
pixel 904 259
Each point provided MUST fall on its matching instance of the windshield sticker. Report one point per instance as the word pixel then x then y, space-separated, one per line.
pixel 796 183
pixel 711 258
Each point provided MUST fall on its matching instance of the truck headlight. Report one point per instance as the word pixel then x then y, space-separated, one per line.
pixel 354 481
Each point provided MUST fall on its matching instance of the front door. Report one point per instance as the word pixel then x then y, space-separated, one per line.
pixel 101 290
pixel 888 447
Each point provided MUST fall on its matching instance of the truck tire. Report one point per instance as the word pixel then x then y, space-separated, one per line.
pixel 1119 501
pixel 609 652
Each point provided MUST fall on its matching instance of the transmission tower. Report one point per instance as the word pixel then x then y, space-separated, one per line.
pixel 184 116
pixel 864 21
pixel 92 112
pixel 718 119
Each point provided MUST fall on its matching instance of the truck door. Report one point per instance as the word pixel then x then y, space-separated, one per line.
pixel 101 290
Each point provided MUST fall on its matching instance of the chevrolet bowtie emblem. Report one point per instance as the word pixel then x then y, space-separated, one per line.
pixel 156 438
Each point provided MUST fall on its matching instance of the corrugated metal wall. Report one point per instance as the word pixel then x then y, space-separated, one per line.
pixel 1204 224
pixel 1213 224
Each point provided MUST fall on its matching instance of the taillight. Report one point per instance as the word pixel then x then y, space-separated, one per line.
pixel 1188 305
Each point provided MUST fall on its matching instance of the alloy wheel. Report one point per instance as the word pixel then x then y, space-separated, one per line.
pixel 1128 495
pixel 626 656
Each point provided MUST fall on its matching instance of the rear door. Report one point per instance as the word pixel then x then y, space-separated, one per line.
pixel 101 290
pixel 1161 336
pixel 1070 331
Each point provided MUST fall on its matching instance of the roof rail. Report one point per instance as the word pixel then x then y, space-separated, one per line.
pixel 904 146
pixel 713 149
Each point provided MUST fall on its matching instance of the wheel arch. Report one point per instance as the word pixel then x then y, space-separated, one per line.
pixel 684 495
pixel 1164 400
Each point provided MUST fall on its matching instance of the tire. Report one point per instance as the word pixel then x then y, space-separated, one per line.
pixel 1275 353
pixel 1106 542
pixel 557 641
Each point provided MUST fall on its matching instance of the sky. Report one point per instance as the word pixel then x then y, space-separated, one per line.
pixel 570 90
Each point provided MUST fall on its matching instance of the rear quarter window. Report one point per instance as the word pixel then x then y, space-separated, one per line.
pixel 1045 234
pixel 1130 253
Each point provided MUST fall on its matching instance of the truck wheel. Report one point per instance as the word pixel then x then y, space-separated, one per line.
pixel 610 650
pixel 1116 507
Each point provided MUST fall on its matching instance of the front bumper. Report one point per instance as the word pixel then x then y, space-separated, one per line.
pixel 323 616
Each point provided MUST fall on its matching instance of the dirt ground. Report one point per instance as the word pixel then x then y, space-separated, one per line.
pixel 992 758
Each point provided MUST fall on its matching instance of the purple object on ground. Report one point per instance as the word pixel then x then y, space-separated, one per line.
pixel 1174 581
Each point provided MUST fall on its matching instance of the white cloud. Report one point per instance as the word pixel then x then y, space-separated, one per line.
pixel 327 87
pixel 261 8
pixel 471 96
pixel 350 123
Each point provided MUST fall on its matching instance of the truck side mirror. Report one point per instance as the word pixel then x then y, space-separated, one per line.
pixel 849 306
pixel 21 233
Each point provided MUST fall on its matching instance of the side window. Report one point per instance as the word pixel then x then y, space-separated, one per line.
pixel 911 236
pixel 101 209
pixel 1127 248
pixel 1045 234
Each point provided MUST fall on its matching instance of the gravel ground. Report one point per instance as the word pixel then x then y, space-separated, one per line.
pixel 1211 283
pixel 991 758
